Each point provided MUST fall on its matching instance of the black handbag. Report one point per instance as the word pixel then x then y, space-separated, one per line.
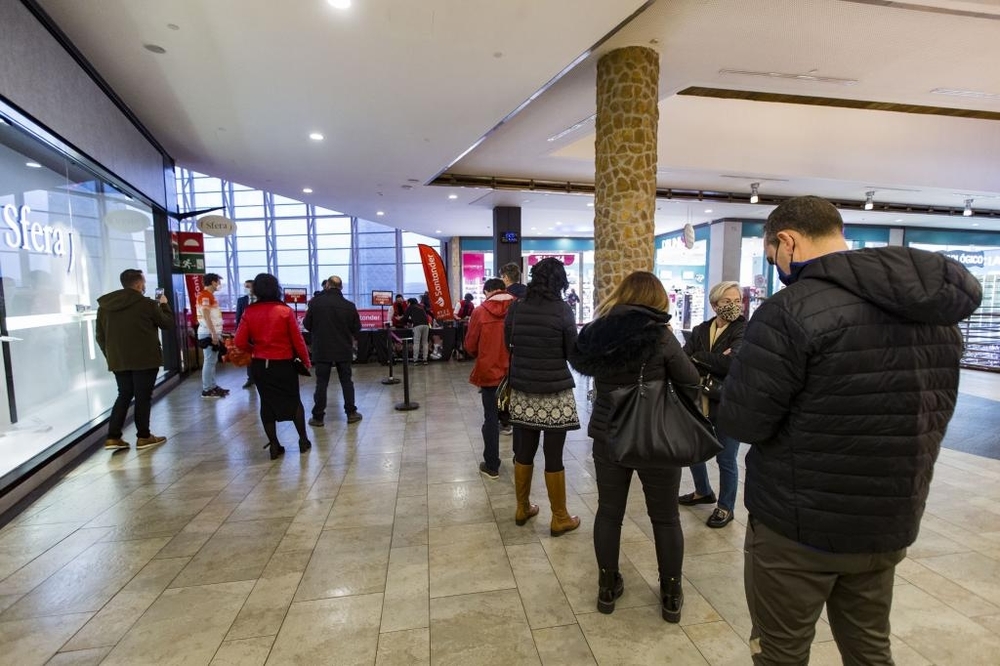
pixel 711 387
pixel 654 425
pixel 300 367
pixel 503 389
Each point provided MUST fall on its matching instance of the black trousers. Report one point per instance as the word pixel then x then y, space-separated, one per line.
pixel 323 372
pixel 136 384
pixel 660 488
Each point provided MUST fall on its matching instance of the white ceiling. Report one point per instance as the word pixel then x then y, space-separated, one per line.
pixel 402 90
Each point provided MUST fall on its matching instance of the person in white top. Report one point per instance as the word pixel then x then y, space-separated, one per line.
pixel 210 335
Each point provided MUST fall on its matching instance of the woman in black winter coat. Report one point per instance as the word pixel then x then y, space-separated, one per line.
pixel 712 346
pixel 629 334
pixel 540 332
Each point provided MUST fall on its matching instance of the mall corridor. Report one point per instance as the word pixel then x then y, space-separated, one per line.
pixel 384 546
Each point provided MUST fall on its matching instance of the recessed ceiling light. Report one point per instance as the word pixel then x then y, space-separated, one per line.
pixel 380 213
pixel 957 92
pixel 154 48
pixel 899 220
pixel 533 228
pixel 173 26
pixel 550 229
pixel 452 196
pixel 437 231
pixel 558 223
pixel 339 4
pixel 590 204
pixel 307 190
pixel 316 136
pixel 525 200
pixel 708 210
pixel 33 165
pixel 808 78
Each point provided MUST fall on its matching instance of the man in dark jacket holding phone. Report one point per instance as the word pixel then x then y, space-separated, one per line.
pixel 333 323
pixel 843 388
pixel 128 333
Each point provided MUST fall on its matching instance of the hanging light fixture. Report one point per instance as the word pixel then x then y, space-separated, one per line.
pixel 968 208
pixel 753 192
pixel 870 200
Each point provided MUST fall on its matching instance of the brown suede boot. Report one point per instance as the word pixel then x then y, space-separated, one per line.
pixel 522 487
pixel 562 522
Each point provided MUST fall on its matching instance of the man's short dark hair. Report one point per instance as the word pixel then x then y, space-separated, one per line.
pixel 130 277
pixel 811 216
pixel 399 296
pixel 493 284
pixel 512 272
pixel 211 278
pixel 334 282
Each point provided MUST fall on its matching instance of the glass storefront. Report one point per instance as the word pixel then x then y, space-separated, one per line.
pixel 66 237
pixel 684 272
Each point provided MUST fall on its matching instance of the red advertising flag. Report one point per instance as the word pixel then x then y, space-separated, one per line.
pixel 437 283
pixel 194 283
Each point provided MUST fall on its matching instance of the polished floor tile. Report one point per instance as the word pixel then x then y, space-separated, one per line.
pixel 384 545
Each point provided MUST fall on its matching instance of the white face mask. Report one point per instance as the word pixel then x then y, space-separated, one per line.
pixel 248 291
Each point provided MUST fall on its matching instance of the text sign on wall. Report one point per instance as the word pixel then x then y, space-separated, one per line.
pixel 23 234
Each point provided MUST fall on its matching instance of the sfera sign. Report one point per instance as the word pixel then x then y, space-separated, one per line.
pixel 23 234
pixel 216 225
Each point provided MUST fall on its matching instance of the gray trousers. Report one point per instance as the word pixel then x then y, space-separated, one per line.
pixel 787 584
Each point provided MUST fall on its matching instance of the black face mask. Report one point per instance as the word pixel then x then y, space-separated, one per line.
pixel 795 267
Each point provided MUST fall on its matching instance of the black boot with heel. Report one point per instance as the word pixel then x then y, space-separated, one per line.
pixel 672 599
pixel 610 587
pixel 276 450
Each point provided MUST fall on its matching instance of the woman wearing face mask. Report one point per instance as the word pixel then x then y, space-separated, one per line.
pixel 712 346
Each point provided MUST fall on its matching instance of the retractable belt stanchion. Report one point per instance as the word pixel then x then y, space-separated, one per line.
pixel 389 337
pixel 406 405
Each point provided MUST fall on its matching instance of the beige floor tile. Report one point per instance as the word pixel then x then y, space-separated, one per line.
pixel 697 610
pixel 183 626
pixel 33 641
pixel 466 559
pixel 373 469
pixel 541 594
pixel 718 643
pixel 573 561
pixel 245 652
pixel 638 636
pixel 315 631
pixel 990 622
pixel 457 503
pixel 89 580
pixel 452 469
pixel 237 551
pixel 562 646
pixel 196 533
pixel 406 590
pixel 265 609
pixel 364 505
pixel 965 602
pixel 161 516
pixel 484 629
pixel 937 632
pixel 328 482
pixel 20 544
pixel 347 562
pixel 306 526
pixel 113 621
pixel 35 572
pixel 91 657
pixel 973 571
pixel 404 648
pixel 719 578
pixel 410 526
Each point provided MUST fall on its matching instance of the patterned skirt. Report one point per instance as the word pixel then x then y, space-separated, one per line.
pixel 544 411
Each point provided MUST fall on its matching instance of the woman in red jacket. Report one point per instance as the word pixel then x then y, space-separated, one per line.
pixel 484 340
pixel 271 332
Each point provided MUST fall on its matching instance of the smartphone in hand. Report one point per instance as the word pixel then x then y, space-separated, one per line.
pixel 158 293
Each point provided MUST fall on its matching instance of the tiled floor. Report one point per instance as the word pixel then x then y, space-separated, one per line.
pixel 384 546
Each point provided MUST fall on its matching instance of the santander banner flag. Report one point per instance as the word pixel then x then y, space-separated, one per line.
pixel 437 283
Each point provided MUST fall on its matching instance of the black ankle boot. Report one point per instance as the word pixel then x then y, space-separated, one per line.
pixel 276 450
pixel 610 587
pixel 304 445
pixel 672 598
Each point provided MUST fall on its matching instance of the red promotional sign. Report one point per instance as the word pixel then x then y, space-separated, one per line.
pixel 194 283
pixel 295 295
pixel 372 318
pixel 437 283
pixel 473 267
pixel 566 259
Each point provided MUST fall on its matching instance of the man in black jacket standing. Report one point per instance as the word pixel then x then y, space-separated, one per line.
pixel 241 305
pixel 128 333
pixel 844 388
pixel 333 324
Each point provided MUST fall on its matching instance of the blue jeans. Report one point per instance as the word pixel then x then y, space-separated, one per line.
pixel 211 359
pixel 729 473
pixel 491 428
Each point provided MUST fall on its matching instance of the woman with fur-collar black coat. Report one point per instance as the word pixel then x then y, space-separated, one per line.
pixel 631 330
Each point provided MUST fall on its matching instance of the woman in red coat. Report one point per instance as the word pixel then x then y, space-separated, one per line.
pixel 484 340
pixel 270 331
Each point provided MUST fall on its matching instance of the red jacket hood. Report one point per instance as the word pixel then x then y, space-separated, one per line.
pixel 498 304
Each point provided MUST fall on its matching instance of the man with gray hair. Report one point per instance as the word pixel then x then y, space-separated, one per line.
pixel 333 324
pixel 843 388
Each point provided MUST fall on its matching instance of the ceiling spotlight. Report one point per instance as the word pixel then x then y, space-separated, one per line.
pixel 870 200
pixel 380 213
pixel 339 4
pixel 316 136
pixel 307 190
pixel 452 196
pixel 708 210
pixel 437 231
pixel 968 208
pixel 154 48
pixel 590 204
pixel 33 165
pixel 754 198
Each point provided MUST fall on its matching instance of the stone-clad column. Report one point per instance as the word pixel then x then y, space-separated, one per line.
pixel 625 165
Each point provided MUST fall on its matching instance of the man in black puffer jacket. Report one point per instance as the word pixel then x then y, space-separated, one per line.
pixel 844 388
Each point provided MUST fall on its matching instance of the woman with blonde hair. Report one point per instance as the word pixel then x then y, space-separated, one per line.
pixel 712 346
pixel 631 335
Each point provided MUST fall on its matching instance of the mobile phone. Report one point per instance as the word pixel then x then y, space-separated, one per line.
pixel 158 293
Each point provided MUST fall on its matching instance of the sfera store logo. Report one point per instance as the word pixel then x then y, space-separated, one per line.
pixel 23 234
